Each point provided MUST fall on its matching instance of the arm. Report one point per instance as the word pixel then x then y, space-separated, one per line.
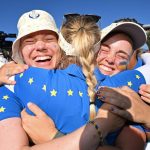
pixel 131 138
pixel 128 101
pixel 128 139
pixel 111 123
pixel 10 69
pixel 32 124
pixel 12 135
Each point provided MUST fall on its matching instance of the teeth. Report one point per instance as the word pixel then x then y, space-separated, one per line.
pixel 43 58
pixel 105 68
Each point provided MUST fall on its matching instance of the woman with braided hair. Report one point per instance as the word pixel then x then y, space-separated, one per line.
pixel 65 99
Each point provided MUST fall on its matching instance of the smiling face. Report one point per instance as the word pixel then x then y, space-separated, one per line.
pixel 41 49
pixel 114 50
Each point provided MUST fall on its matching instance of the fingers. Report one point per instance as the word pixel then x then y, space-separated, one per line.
pixel 145 99
pixel 13 68
pixel 36 110
pixel 145 88
pixel 120 112
pixel 7 81
pixel 10 69
pixel 145 92
pixel 24 114
pixel 114 96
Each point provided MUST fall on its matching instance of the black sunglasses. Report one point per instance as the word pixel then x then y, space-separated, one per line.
pixel 94 18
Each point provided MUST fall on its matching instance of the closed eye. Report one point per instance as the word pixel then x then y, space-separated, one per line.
pixel 28 41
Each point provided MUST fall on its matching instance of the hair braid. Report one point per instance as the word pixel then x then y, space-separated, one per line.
pixel 83 34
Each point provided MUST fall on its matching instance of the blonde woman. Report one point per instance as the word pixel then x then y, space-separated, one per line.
pixel 65 99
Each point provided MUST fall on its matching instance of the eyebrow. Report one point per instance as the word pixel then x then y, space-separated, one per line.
pixel 105 45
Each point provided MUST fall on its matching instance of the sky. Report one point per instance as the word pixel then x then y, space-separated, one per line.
pixel 109 10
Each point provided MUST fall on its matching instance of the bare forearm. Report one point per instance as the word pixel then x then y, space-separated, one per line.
pixel 82 139
pixel 85 138
pixel 12 136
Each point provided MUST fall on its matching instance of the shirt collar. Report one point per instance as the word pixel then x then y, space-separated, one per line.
pixel 75 70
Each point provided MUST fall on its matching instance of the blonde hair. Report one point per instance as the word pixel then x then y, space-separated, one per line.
pixel 83 33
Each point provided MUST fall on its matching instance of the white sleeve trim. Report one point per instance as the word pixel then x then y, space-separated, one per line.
pixel 145 70
pixel 10 87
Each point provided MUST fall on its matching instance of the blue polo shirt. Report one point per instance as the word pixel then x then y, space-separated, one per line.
pixel 61 94
pixel 139 62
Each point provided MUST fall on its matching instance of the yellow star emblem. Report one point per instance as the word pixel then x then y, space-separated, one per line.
pixel 5 97
pixel 44 88
pixel 80 93
pixel 137 76
pixel 2 109
pixel 130 83
pixel 30 81
pixel 21 75
pixel 70 92
pixel 53 92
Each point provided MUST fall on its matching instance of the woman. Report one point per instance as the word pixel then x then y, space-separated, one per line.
pixel 58 75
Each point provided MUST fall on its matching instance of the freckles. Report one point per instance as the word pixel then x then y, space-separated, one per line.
pixel 29 48
pixel 54 46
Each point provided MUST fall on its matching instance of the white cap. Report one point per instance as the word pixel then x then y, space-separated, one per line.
pixel 134 30
pixel 70 50
pixel 30 22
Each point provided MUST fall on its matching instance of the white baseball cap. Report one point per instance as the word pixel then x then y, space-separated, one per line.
pixel 30 22
pixel 134 30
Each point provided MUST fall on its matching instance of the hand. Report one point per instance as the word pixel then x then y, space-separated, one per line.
pixel 126 103
pixel 145 92
pixel 40 127
pixel 10 69
pixel 109 121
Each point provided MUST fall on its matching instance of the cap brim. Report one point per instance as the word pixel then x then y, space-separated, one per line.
pixel 135 31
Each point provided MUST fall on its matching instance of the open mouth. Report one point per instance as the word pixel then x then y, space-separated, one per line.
pixel 105 68
pixel 43 58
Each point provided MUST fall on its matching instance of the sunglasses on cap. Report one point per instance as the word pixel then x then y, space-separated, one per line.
pixel 94 18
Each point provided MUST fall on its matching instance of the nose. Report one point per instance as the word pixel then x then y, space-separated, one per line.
pixel 40 45
pixel 110 58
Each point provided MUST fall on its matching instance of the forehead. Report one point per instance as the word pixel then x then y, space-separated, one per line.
pixel 119 42
pixel 42 33
pixel 115 37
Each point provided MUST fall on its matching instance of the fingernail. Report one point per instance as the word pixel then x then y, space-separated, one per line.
pixel 101 97
pixel 98 92
pixel 101 88
pixel 29 104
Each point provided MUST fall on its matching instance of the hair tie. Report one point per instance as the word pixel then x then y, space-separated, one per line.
pixel 92 103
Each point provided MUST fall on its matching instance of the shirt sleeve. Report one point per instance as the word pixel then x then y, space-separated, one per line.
pixel 130 78
pixel 9 104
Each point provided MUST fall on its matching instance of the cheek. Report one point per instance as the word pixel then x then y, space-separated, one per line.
pixel 53 46
pixel 26 50
pixel 100 57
